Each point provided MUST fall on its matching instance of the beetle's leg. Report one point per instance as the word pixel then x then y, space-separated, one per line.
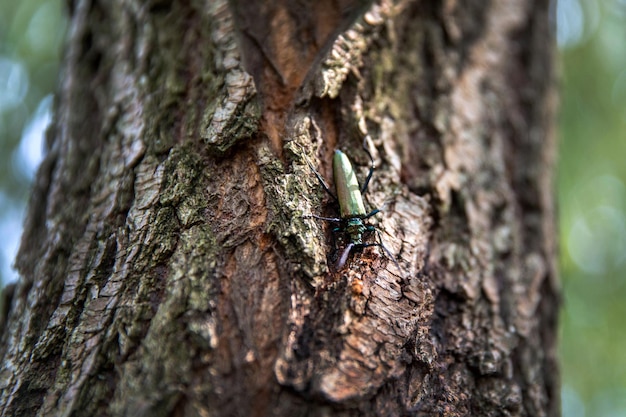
pixel 370 214
pixel 369 175
pixel 382 245
pixel 328 219
pixel 387 251
pixel 335 230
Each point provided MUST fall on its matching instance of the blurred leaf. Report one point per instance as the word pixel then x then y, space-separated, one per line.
pixel 31 34
pixel 592 200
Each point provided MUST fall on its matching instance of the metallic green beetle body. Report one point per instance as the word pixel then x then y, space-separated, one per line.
pixel 348 190
pixel 351 207
pixel 350 198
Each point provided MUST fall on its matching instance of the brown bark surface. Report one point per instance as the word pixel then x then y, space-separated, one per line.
pixel 169 264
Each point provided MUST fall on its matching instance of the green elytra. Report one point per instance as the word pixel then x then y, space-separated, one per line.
pixel 348 191
pixel 351 208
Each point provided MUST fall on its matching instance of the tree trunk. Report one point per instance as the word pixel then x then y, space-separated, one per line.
pixel 170 265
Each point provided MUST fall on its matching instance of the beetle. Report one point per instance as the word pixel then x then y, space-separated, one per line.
pixel 351 208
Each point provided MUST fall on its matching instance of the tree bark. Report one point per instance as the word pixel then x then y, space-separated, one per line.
pixel 169 264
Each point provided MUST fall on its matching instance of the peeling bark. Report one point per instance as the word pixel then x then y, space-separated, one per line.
pixel 170 266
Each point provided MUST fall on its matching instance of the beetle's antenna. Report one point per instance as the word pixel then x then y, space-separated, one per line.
pixel 388 252
pixel 369 175
pixel 319 176
pixel 344 256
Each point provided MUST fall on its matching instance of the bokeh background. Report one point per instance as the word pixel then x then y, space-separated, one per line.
pixel 591 36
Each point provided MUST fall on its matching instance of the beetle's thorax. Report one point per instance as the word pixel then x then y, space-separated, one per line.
pixel 355 230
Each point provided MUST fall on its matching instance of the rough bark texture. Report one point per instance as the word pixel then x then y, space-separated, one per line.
pixel 168 266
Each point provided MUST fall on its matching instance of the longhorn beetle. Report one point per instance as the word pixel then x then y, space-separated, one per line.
pixel 351 208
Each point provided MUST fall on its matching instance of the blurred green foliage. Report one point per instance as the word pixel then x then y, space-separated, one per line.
pixel 592 200
pixel 31 34
pixel 591 179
